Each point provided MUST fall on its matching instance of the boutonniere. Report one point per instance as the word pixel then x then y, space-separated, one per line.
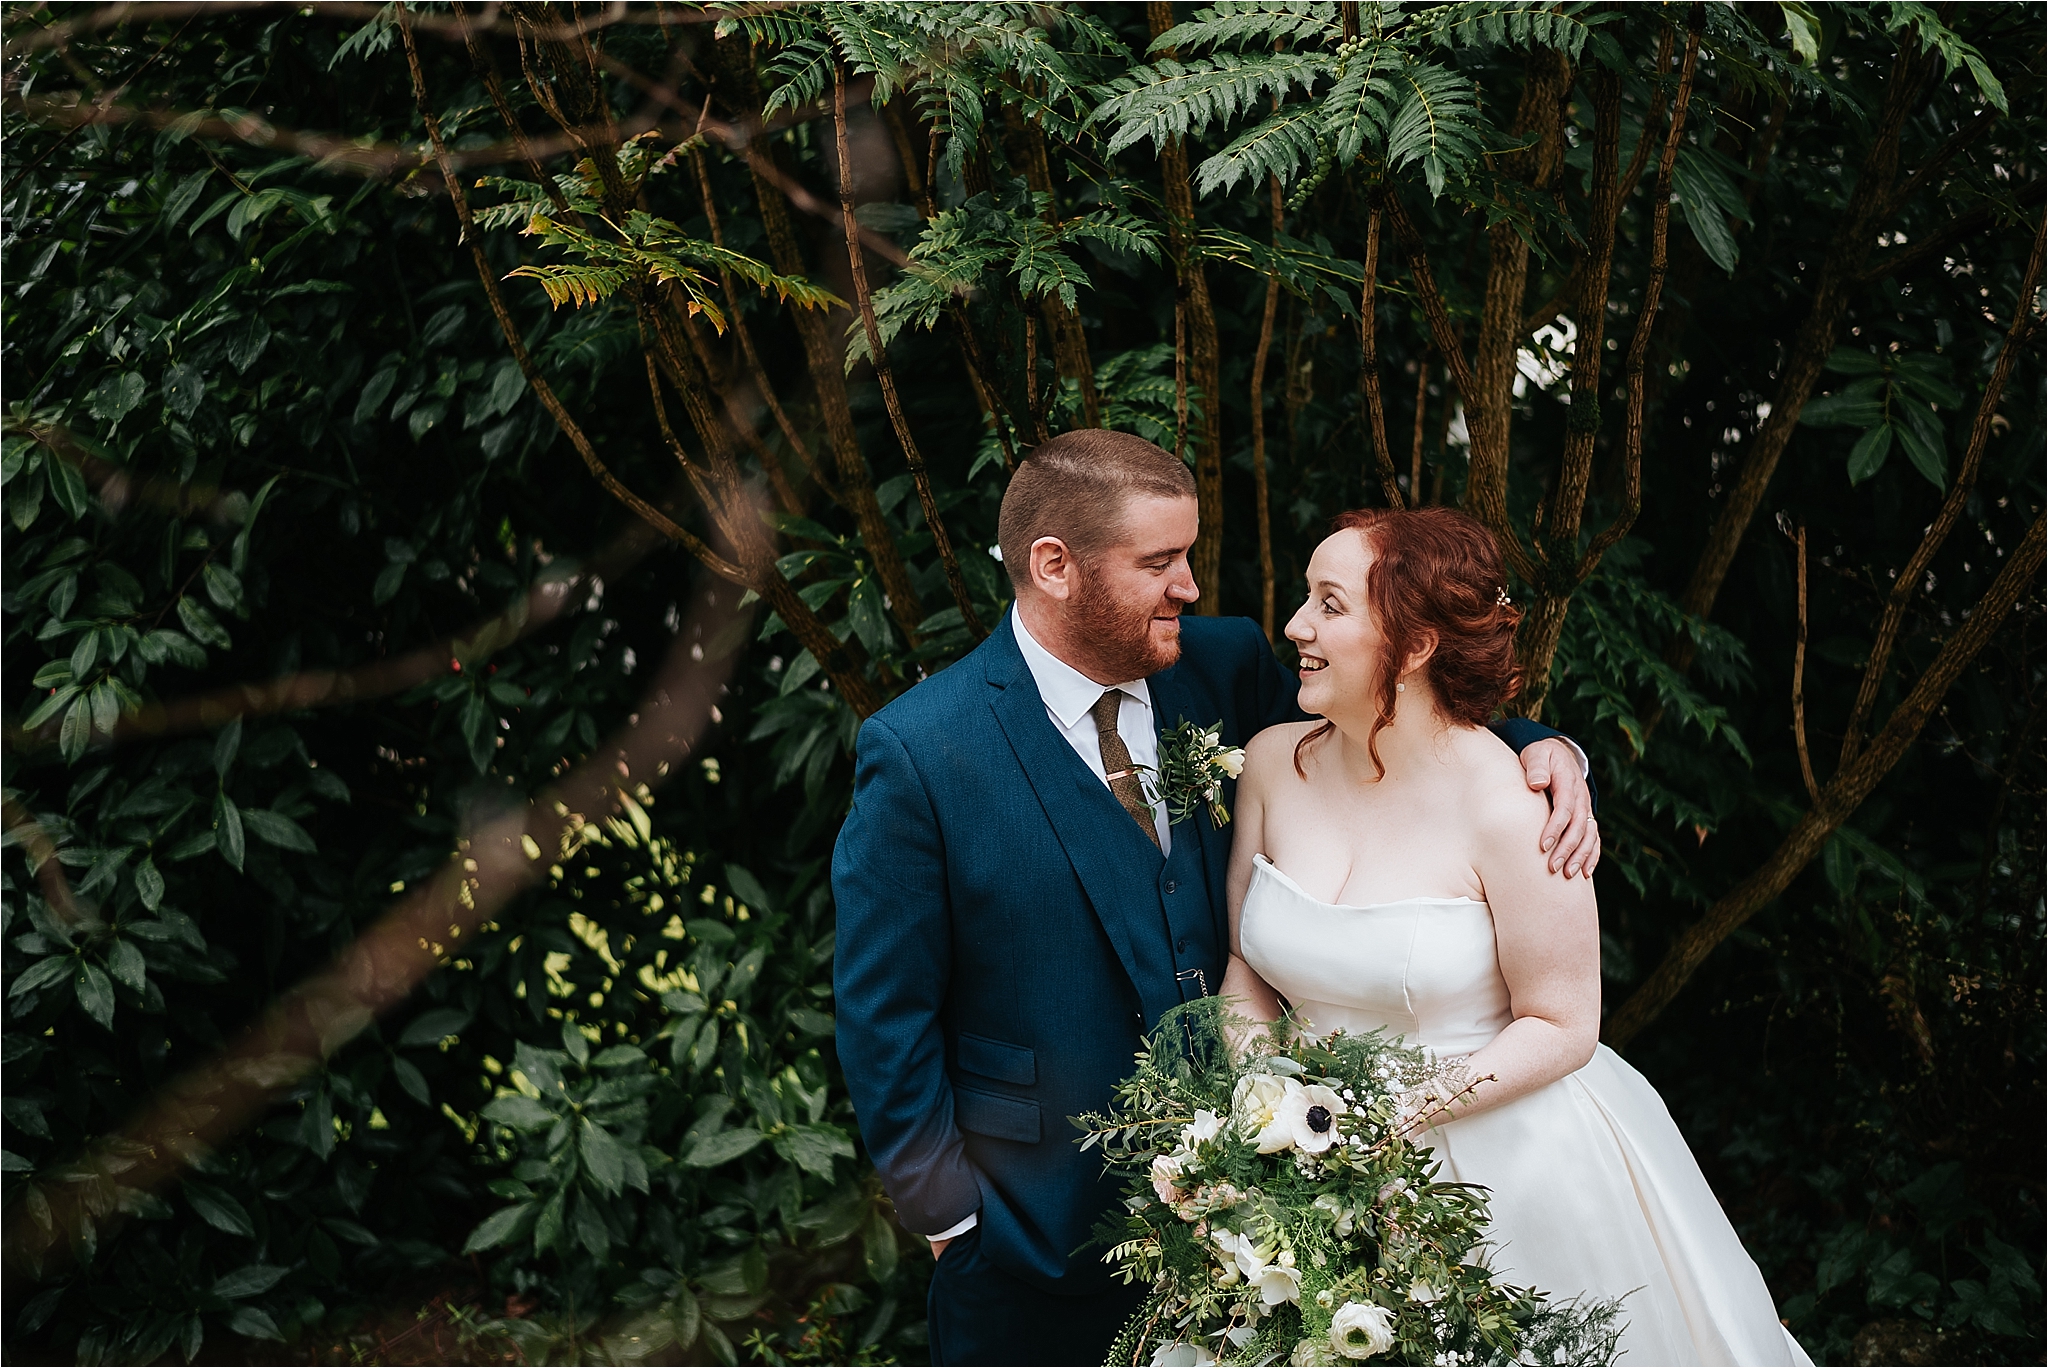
pixel 1193 763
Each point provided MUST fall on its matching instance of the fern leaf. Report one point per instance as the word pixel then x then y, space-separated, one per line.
pixel 575 283
pixel 1508 23
pixel 1437 123
pixel 1170 99
pixel 1281 146
pixel 1259 23
pixel 1118 230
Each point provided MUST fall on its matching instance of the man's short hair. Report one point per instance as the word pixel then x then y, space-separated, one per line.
pixel 1076 487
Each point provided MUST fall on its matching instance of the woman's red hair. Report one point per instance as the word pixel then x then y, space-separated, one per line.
pixel 1435 571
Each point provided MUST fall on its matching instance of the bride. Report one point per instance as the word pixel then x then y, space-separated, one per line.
pixel 1386 876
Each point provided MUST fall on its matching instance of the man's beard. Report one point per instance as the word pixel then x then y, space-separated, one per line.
pixel 1119 635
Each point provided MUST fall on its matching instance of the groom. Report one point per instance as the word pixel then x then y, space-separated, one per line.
pixel 1013 913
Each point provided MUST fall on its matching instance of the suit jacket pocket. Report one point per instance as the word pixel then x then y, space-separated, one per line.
pixel 991 1114
pixel 997 1059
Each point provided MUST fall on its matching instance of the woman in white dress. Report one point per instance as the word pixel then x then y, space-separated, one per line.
pixel 1386 876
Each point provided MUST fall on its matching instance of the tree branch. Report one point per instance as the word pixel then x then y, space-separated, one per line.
pixel 1847 252
pixel 1842 796
pixel 1369 366
pixel 1799 683
pixel 885 375
pixel 1197 317
pixel 1951 507
pixel 537 382
pixel 1261 482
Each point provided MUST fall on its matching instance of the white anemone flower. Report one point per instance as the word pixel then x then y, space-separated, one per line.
pixel 1310 1115
pixel 1182 1355
pixel 1360 1330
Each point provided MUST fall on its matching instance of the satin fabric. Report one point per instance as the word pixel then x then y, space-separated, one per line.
pixel 1594 1190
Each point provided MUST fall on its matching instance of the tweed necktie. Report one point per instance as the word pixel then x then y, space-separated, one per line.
pixel 1116 762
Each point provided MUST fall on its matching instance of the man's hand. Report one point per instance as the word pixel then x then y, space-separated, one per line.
pixel 939 1249
pixel 1571 836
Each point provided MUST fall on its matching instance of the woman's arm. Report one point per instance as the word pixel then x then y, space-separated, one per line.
pixel 1547 933
pixel 1240 980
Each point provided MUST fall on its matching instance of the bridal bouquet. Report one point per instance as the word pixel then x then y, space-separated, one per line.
pixel 1279 1216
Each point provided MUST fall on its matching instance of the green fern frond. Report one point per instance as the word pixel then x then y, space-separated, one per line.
pixel 1436 123
pixel 1508 23
pixel 1117 229
pixel 1169 99
pixel 798 72
pixel 1255 23
pixel 1280 146
pixel 576 283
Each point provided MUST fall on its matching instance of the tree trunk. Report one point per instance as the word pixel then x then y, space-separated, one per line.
pixel 1203 361
pixel 885 374
pixel 824 353
pixel 1260 480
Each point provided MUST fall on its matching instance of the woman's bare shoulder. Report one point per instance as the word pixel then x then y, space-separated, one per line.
pixel 1275 745
pixel 1496 792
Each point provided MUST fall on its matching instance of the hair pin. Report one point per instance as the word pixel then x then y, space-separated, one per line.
pixel 1501 598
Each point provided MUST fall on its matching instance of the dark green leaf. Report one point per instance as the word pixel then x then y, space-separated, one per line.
pixel 226 746
pixel 502 1228
pixel 218 1209
pixel 250 1280
pixel 227 830
pixel 722 1148
pixel 254 1323
pixel 433 1026
pixel 274 828
pixel 1866 458
pixel 184 390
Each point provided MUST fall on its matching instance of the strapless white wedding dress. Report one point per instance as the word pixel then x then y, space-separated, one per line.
pixel 1594 1191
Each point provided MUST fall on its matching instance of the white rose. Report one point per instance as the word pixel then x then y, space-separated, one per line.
pixel 1252 1107
pixel 1310 1114
pixel 1360 1330
pixel 1166 1177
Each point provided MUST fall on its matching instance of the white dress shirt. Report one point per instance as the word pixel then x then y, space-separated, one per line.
pixel 1069 695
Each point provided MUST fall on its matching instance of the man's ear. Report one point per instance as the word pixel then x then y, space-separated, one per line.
pixel 1052 568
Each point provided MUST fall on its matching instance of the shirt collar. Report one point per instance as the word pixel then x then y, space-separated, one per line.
pixel 1068 693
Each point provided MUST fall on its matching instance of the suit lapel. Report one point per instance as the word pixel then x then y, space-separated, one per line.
pixel 1109 854
pixel 1174 702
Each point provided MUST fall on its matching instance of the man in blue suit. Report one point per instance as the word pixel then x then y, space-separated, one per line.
pixel 1013 912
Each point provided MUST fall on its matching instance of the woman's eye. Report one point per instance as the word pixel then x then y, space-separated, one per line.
pixel 1329 605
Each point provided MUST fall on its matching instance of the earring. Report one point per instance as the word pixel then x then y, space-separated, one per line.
pixel 1400 688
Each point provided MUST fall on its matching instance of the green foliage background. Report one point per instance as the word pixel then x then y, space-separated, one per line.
pixel 261 423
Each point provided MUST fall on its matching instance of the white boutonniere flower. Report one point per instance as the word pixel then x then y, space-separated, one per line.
pixel 1193 765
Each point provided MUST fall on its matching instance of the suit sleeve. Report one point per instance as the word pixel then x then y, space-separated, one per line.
pixel 1520 733
pixel 890 976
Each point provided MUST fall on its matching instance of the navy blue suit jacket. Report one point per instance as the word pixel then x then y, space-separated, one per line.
pixel 1006 932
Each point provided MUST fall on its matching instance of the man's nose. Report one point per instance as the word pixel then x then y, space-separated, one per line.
pixel 1182 586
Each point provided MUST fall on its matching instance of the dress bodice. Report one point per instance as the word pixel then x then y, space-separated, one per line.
pixel 1421 968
